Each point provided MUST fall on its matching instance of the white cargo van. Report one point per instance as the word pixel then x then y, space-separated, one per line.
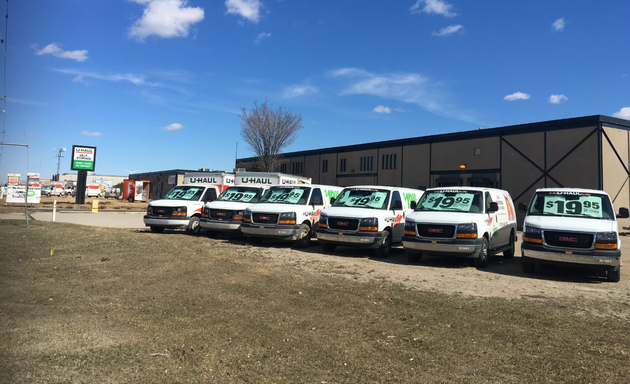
pixel 226 213
pixel 182 206
pixel 287 212
pixel 367 216
pixel 470 222
pixel 569 226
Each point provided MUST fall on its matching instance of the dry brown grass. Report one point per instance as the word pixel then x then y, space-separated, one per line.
pixel 68 203
pixel 119 306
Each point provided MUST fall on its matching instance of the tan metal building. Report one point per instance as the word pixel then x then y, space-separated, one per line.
pixel 587 152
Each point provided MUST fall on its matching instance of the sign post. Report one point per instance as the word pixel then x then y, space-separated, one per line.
pixel 83 161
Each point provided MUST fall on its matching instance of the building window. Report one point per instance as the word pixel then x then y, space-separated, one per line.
pixel 342 165
pixel 297 168
pixel 367 163
pixel 390 161
pixel 325 166
pixel 283 167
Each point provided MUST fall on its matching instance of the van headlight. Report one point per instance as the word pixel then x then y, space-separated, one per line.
pixel 410 228
pixel 287 218
pixel 532 235
pixel 369 224
pixel 179 211
pixel 247 216
pixel 323 220
pixel 467 231
pixel 238 215
pixel 606 240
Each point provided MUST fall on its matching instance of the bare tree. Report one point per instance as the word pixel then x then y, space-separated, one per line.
pixel 268 131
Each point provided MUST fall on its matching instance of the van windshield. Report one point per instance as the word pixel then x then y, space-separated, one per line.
pixel 450 200
pixel 240 194
pixel 571 204
pixel 363 198
pixel 286 195
pixel 185 192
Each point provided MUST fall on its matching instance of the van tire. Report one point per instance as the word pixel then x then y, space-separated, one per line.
pixel 527 266
pixel 414 257
pixel 304 236
pixel 481 261
pixel 385 246
pixel 155 229
pixel 329 247
pixel 193 226
pixel 509 253
pixel 130 199
pixel 614 276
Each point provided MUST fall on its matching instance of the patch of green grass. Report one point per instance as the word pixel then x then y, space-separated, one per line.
pixel 123 306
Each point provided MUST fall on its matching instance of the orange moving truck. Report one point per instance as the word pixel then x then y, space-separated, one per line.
pixel 135 190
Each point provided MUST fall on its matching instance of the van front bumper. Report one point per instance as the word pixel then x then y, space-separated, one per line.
pixel 221 226
pixel 443 247
pixel 539 254
pixel 360 240
pixel 279 232
pixel 166 222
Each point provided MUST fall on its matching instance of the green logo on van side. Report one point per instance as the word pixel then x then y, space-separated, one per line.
pixel 409 197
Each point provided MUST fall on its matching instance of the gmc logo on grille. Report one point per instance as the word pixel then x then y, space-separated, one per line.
pixel 568 239
pixel 435 230
pixel 342 223
pixel 161 211
pixel 220 213
pixel 267 218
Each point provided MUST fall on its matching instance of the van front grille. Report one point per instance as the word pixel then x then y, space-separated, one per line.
pixel 569 239
pixel 436 230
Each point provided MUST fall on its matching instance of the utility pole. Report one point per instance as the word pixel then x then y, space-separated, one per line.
pixel 59 155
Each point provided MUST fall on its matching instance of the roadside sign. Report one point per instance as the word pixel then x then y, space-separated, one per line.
pixel 83 158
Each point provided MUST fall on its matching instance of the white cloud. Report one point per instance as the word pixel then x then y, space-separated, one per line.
pixel 55 50
pixel 557 99
pixel 624 113
pixel 165 18
pixel 382 109
pixel 248 9
pixel 78 79
pixel 133 79
pixel 438 7
pixel 517 96
pixel 88 133
pixel 262 36
pixel 558 25
pixel 173 127
pixel 451 29
pixel 298 90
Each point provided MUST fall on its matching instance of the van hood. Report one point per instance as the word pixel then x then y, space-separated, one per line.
pixel 232 205
pixel 274 207
pixel 172 203
pixel 358 213
pixel 445 217
pixel 571 223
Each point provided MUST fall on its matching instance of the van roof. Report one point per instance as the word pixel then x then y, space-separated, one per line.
pixel 386 187
pixel 466 188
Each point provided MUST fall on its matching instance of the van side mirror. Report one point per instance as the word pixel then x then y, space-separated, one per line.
pixel 493 207
pixel 317 200
pixel 623 213
pixel 413 205
pixel 522 207
pixel 332 200
pixel 397 205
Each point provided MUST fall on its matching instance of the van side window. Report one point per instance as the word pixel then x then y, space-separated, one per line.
pixel 395 198
pixel 488 201
pixel 210 195
pixel 316 197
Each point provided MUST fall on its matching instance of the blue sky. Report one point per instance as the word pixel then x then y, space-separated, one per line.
pixel 159 84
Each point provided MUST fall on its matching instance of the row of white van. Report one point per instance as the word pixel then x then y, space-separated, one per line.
pixel 566 226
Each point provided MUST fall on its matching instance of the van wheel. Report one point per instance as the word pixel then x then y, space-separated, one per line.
pixel 481 261
pixel 385 247
pixel 155 229
pixel 329 247
pixel 509 253
pixel 304 237
pixel 614 276
pixel 130 199
pixel 414 257
pixel 193 226
pixel 527 266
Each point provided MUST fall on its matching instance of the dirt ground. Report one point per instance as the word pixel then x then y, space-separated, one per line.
pixel 68 203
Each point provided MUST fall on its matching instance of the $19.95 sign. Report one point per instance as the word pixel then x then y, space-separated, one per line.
pixel 83 158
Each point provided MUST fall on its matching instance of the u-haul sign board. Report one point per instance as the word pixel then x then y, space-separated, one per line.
pixel 83 158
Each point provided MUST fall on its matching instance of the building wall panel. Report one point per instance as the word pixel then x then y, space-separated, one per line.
pixel 392 177
pixel 447 156
pixel 416 172
pixel 615 165
pixel 580 167
pixel 560 142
